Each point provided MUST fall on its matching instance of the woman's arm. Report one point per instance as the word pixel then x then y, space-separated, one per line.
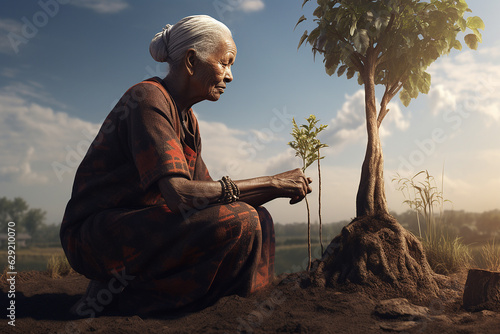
pixel 180 193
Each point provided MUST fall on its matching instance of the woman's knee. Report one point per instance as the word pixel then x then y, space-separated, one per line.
pixel 239 218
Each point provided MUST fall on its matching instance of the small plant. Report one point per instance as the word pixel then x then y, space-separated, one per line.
pixel 423 196
pixel 58 266
pixel 307 147
pixel 445 253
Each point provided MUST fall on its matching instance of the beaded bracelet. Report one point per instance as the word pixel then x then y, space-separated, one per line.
pixel 230 191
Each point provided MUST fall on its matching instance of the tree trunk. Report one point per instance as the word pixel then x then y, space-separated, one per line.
pixel 370 200
pixel 374 253
pixel 482 290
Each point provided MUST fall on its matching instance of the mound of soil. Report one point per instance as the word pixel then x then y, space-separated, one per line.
pixel 378 256
pixel 43 304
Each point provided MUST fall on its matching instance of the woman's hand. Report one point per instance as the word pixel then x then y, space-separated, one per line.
pixel 293 184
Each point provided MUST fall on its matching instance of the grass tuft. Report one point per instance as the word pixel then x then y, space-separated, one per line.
pixel 447 254
pixel 58 266
pixel 490 254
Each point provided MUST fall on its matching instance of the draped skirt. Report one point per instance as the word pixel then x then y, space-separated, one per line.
pixel 166 262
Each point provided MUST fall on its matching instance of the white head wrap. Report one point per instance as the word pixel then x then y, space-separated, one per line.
pixel 200 32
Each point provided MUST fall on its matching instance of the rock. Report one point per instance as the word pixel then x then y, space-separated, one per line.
pixel 400 308
pixel 488 313
pixel 482 290
pixel 398 326
pixel 444 319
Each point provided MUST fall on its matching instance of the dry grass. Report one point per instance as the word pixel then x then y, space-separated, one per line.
pixel 447 255
pixel 490 254
pixel 58 266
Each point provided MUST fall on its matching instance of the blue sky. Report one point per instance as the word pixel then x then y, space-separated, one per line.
pixel 71 63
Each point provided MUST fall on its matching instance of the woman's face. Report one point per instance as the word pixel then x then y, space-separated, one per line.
pixel 212 75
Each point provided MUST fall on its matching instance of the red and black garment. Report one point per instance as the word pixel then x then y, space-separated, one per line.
pixel 117 219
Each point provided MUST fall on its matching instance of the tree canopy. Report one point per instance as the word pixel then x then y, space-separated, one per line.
pixel 403 37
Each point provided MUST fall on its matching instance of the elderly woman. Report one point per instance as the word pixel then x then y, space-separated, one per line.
pixel 146 222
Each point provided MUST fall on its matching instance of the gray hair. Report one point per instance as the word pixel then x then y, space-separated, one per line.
pixel 199 32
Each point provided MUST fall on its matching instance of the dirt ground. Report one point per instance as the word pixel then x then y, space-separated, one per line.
pixel 43 303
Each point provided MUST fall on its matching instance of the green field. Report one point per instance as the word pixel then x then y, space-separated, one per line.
pixel 33 258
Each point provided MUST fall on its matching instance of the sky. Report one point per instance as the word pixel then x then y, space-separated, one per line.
pixel 65 63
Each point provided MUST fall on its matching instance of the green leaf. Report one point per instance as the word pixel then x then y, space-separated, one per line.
pixel 427 83
pixel 457 45
pixel 318 12
pixel 405 97
pixel 313 35
pixel 302 18
pixel 302 39
pixel 462 24
pixel 350 72
pixel 360 80
pixel 353 28
pixel 342 70
pixel 361 40
pixel 331 70
pixel 478 35
pixel 475 22
pixel 472 41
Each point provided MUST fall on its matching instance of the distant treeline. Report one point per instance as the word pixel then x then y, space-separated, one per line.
pixel 471 227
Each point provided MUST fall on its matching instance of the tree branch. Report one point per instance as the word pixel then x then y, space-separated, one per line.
pixel 391 22
pixel 383 106
pixel 357 62
pixel 390 92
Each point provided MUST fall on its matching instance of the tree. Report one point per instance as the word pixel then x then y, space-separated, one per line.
pixel 489 222
pixel 17 210
pixel 389 43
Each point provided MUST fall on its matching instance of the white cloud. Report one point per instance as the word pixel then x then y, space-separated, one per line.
pixel 241 154
pixel 472 80
pixel 226 8
pixel 33 137
pixel 457 186
pixel 8 26
pixel 21 170
pixel 32 91
pixel 349 125
pixel 102 6
pixel 252 5
pixel 441 99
